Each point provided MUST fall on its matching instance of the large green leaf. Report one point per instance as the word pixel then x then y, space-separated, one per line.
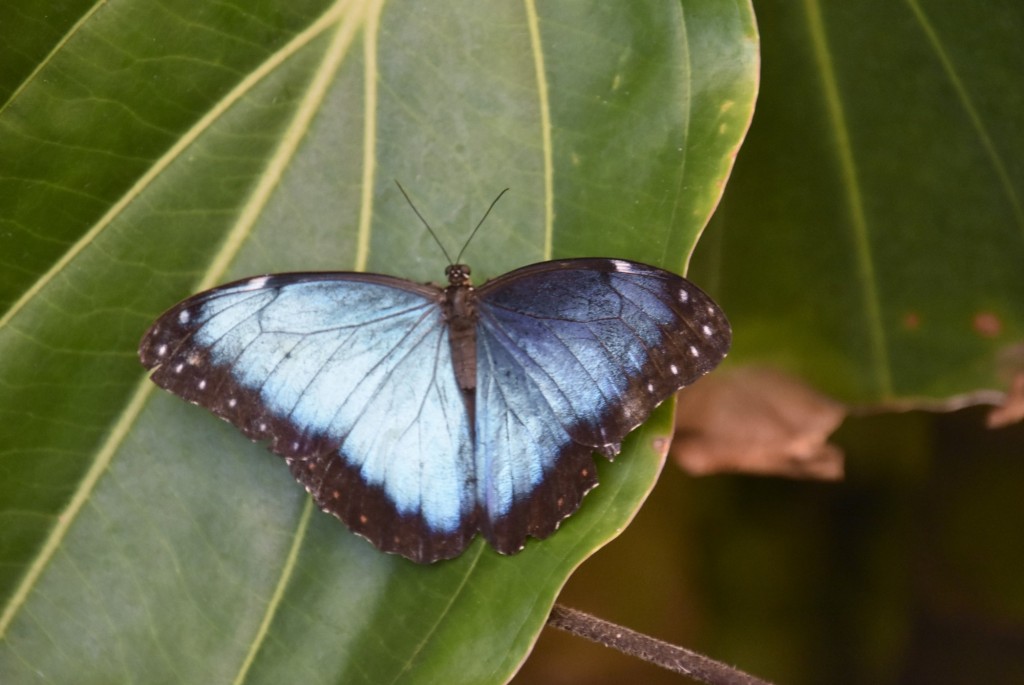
pixel 872 237
pixel 151 149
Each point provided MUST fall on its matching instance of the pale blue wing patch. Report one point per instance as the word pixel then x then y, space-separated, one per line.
pixel 360 365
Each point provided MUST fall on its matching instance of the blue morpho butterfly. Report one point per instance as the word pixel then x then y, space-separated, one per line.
pixel 421 415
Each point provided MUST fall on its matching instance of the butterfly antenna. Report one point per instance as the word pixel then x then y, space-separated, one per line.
pixel 432 234
pixel 479 224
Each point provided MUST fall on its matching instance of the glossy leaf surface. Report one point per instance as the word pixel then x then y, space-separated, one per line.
pixel 148 151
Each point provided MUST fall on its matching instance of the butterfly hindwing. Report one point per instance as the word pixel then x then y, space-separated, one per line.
pixel 573 355
pixel 349 377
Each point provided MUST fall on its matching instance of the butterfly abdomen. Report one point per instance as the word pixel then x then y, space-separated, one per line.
pixel 460 313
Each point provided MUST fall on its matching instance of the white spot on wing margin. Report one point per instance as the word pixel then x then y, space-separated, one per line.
pixel 256 283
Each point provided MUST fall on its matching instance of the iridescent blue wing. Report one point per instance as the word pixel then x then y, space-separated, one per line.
pixel 348 377
pixel 571 356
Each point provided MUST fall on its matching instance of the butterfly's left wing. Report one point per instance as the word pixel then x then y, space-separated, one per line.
pixel 349 377
pixel 571 356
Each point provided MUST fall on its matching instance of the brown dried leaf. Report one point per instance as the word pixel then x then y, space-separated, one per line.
pixel 759 421
pixel 1011 410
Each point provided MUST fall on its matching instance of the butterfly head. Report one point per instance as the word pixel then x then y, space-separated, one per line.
pixel 458 274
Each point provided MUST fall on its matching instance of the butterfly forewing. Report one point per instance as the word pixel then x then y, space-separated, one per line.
pixel 349 377
pixel 573 355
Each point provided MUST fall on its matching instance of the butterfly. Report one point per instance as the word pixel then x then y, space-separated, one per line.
pixel 421 415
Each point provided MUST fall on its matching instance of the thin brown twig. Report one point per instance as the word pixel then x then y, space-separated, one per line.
pixel 654 651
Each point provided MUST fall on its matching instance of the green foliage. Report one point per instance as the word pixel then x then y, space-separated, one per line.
pixel 148 150
pixel 882 175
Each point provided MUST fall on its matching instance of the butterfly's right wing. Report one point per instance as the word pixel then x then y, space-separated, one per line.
pixel 349 377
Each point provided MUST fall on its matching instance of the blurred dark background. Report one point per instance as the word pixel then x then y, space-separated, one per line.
pixel 908 571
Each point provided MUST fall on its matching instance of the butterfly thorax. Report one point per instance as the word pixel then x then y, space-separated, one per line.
pixel 460 313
